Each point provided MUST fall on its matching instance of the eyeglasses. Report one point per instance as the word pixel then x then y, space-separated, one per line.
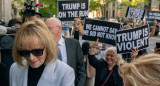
pixel 50 27
pixel 35 52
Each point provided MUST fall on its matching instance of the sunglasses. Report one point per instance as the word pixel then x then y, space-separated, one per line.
pixel 35 52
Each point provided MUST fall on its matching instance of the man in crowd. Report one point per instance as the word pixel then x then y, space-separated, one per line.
pixel 14 22
pixel 72 52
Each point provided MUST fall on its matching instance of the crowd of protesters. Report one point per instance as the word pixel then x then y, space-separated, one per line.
pixel 53 53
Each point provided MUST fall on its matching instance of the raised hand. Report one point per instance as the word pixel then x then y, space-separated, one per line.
pixel 94 49
pixel 134 53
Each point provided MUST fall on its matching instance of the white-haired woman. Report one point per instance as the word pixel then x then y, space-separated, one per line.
pixel 106 70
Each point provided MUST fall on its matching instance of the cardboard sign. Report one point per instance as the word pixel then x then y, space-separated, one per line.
pixel 68 10
pixel 105 31
pixel 126 40
pixel 136 13
pixel 151 15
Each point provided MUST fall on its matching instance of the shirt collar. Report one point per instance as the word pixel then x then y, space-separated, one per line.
pixel 61 41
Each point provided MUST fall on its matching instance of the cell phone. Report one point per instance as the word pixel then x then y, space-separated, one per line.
pixel 157 44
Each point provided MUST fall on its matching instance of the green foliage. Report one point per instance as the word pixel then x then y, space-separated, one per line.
pixel 94 5
pixel 20 13
pixel 48 1
pixel 134 3
pixel 45 11
pixel 48 6
pixel 108 1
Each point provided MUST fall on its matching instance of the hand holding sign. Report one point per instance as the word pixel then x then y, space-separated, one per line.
pixel 134 53
pixel 94 49
pixel 133 21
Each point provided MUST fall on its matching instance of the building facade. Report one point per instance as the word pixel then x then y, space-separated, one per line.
pixel 111 10
pixel 5 10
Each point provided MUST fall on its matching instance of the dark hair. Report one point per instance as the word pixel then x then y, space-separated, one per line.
pixel 13 21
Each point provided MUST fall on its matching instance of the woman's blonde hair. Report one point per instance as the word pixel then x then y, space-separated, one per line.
pixel 144 71
pixel 38 31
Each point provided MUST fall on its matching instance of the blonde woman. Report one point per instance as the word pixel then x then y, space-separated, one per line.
pixel 35 56
pixel 143 71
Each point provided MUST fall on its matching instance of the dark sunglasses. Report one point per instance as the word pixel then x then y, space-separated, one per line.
pixel 35 52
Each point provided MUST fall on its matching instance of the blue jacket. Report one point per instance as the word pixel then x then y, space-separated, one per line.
pixel 54 74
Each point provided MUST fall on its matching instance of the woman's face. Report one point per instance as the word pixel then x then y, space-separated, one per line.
pixel 31 45
pixel 111 58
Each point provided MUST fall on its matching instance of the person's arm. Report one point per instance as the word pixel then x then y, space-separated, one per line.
pixel 153 28
pixel 156 50
pixel 69 78
pixel 81 72
pixel 93 60
pixel 133 21
pixel 92 52
pixel 81 28
pixel 76 34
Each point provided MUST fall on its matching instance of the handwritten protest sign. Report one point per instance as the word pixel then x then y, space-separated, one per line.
pixel 68 10
pixel 136 13
pixel 132 39
pixel 103 30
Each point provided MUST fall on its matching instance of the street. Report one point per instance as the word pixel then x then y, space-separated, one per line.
pixel 152 43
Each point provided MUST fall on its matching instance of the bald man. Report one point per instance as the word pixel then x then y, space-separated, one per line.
pixel 70 49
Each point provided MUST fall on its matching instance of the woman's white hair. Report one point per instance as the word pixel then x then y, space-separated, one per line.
pixel 119 56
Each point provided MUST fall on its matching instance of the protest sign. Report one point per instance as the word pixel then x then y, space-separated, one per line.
pixel 151 15
pixel 103 30
pixel 68 10
pixel 136 13
pixel 132 39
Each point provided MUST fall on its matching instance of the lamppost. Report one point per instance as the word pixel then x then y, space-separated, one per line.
pixel 37 7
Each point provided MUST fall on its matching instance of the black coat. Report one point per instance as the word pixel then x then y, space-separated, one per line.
pixel 102 72
pixel 2 74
